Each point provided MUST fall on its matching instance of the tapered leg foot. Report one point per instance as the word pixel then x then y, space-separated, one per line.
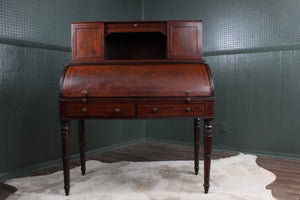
pixel 207 152
pixel 81 134
pixel 65 140
pixel 67 190
pixel 196 144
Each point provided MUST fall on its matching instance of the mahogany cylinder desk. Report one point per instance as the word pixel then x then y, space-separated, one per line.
pixel 136 70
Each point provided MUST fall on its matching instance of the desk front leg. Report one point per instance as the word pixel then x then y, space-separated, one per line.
pixel 81 134
pixel 65 140
pixel 207 152
pixel 196 144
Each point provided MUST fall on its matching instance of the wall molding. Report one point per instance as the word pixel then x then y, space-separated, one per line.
pixel 39 45
pixel 286 47
pixel 230 149
pixel 33 168
pixel 52 163
pixel 30 44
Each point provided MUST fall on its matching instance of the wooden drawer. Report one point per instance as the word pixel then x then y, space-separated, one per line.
pixel 135 27
pixel 97 110
pixel 171 110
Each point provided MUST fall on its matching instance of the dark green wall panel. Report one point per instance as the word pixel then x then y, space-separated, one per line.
pixel 176 130
pixel 235 24
pixel 253 50
pixel 29 77
pixel 49 22
pixel 103 133
pixel 290 98
pixel 30 104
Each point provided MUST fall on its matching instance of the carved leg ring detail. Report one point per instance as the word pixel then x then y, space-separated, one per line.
pixel 207 152
pixel 196 144
pixel 65 140
pixel 81 134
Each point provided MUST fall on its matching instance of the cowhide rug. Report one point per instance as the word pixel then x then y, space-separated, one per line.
pixel 234 178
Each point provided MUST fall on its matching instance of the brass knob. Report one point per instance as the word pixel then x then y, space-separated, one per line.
pixel 188 109
pixel 84 92
pixel 117 110
pixel 187 92
pixel 187 100
pixel 84 110
pixel 154 110
pixel 135 25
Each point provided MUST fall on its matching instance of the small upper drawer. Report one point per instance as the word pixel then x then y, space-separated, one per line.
pixel 97 109
pixel 135 27
pixel 172 110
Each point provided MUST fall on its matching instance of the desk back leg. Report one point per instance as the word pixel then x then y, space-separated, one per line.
pixel 65 140
pixel 81 134
pixel 207 152
pixel 196 144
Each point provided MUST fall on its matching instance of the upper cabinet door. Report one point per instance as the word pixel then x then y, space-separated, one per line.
pixel 185 40
pixel 88 42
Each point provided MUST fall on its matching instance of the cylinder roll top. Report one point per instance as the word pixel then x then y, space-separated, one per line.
pixel 148 80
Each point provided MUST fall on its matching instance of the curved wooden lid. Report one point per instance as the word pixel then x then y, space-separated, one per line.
pixel 147 80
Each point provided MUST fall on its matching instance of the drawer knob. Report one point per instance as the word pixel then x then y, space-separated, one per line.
pixel 187 100
pixel 117 110
pixel 154 110
pixel 187 92
pixel 135 25
pixel 188 109
pixel 84 110
pixel 84 92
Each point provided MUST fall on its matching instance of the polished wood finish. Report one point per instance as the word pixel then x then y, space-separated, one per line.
pixel 137 70
pixel 196 144
pixel 207 152
pixel 81 136
pixel 184 40
pixel 285 187
pixel 65 140
pixel 135 27
pixel 95 41
pixel 171 110
pixel 155 80
pixel 88 41
pixel 97 109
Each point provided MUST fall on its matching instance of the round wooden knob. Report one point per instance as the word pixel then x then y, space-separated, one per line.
pixel 117 110
pixel 84 92
pixel 84 110
pixel 187 100
pixel 154 110
pixel 187 92
pixel 188 109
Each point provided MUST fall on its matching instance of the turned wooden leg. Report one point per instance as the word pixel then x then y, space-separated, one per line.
pixel 65 140
pixel 81 134
pixel 207 152
pixel 196 143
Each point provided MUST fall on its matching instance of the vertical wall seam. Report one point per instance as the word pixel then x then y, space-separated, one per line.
pixel 143 10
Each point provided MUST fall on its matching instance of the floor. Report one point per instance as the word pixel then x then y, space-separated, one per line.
pixel 287 171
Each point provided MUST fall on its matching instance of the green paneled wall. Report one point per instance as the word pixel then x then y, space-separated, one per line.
pixel 34 47
pixel 49 21
pixel 253 48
